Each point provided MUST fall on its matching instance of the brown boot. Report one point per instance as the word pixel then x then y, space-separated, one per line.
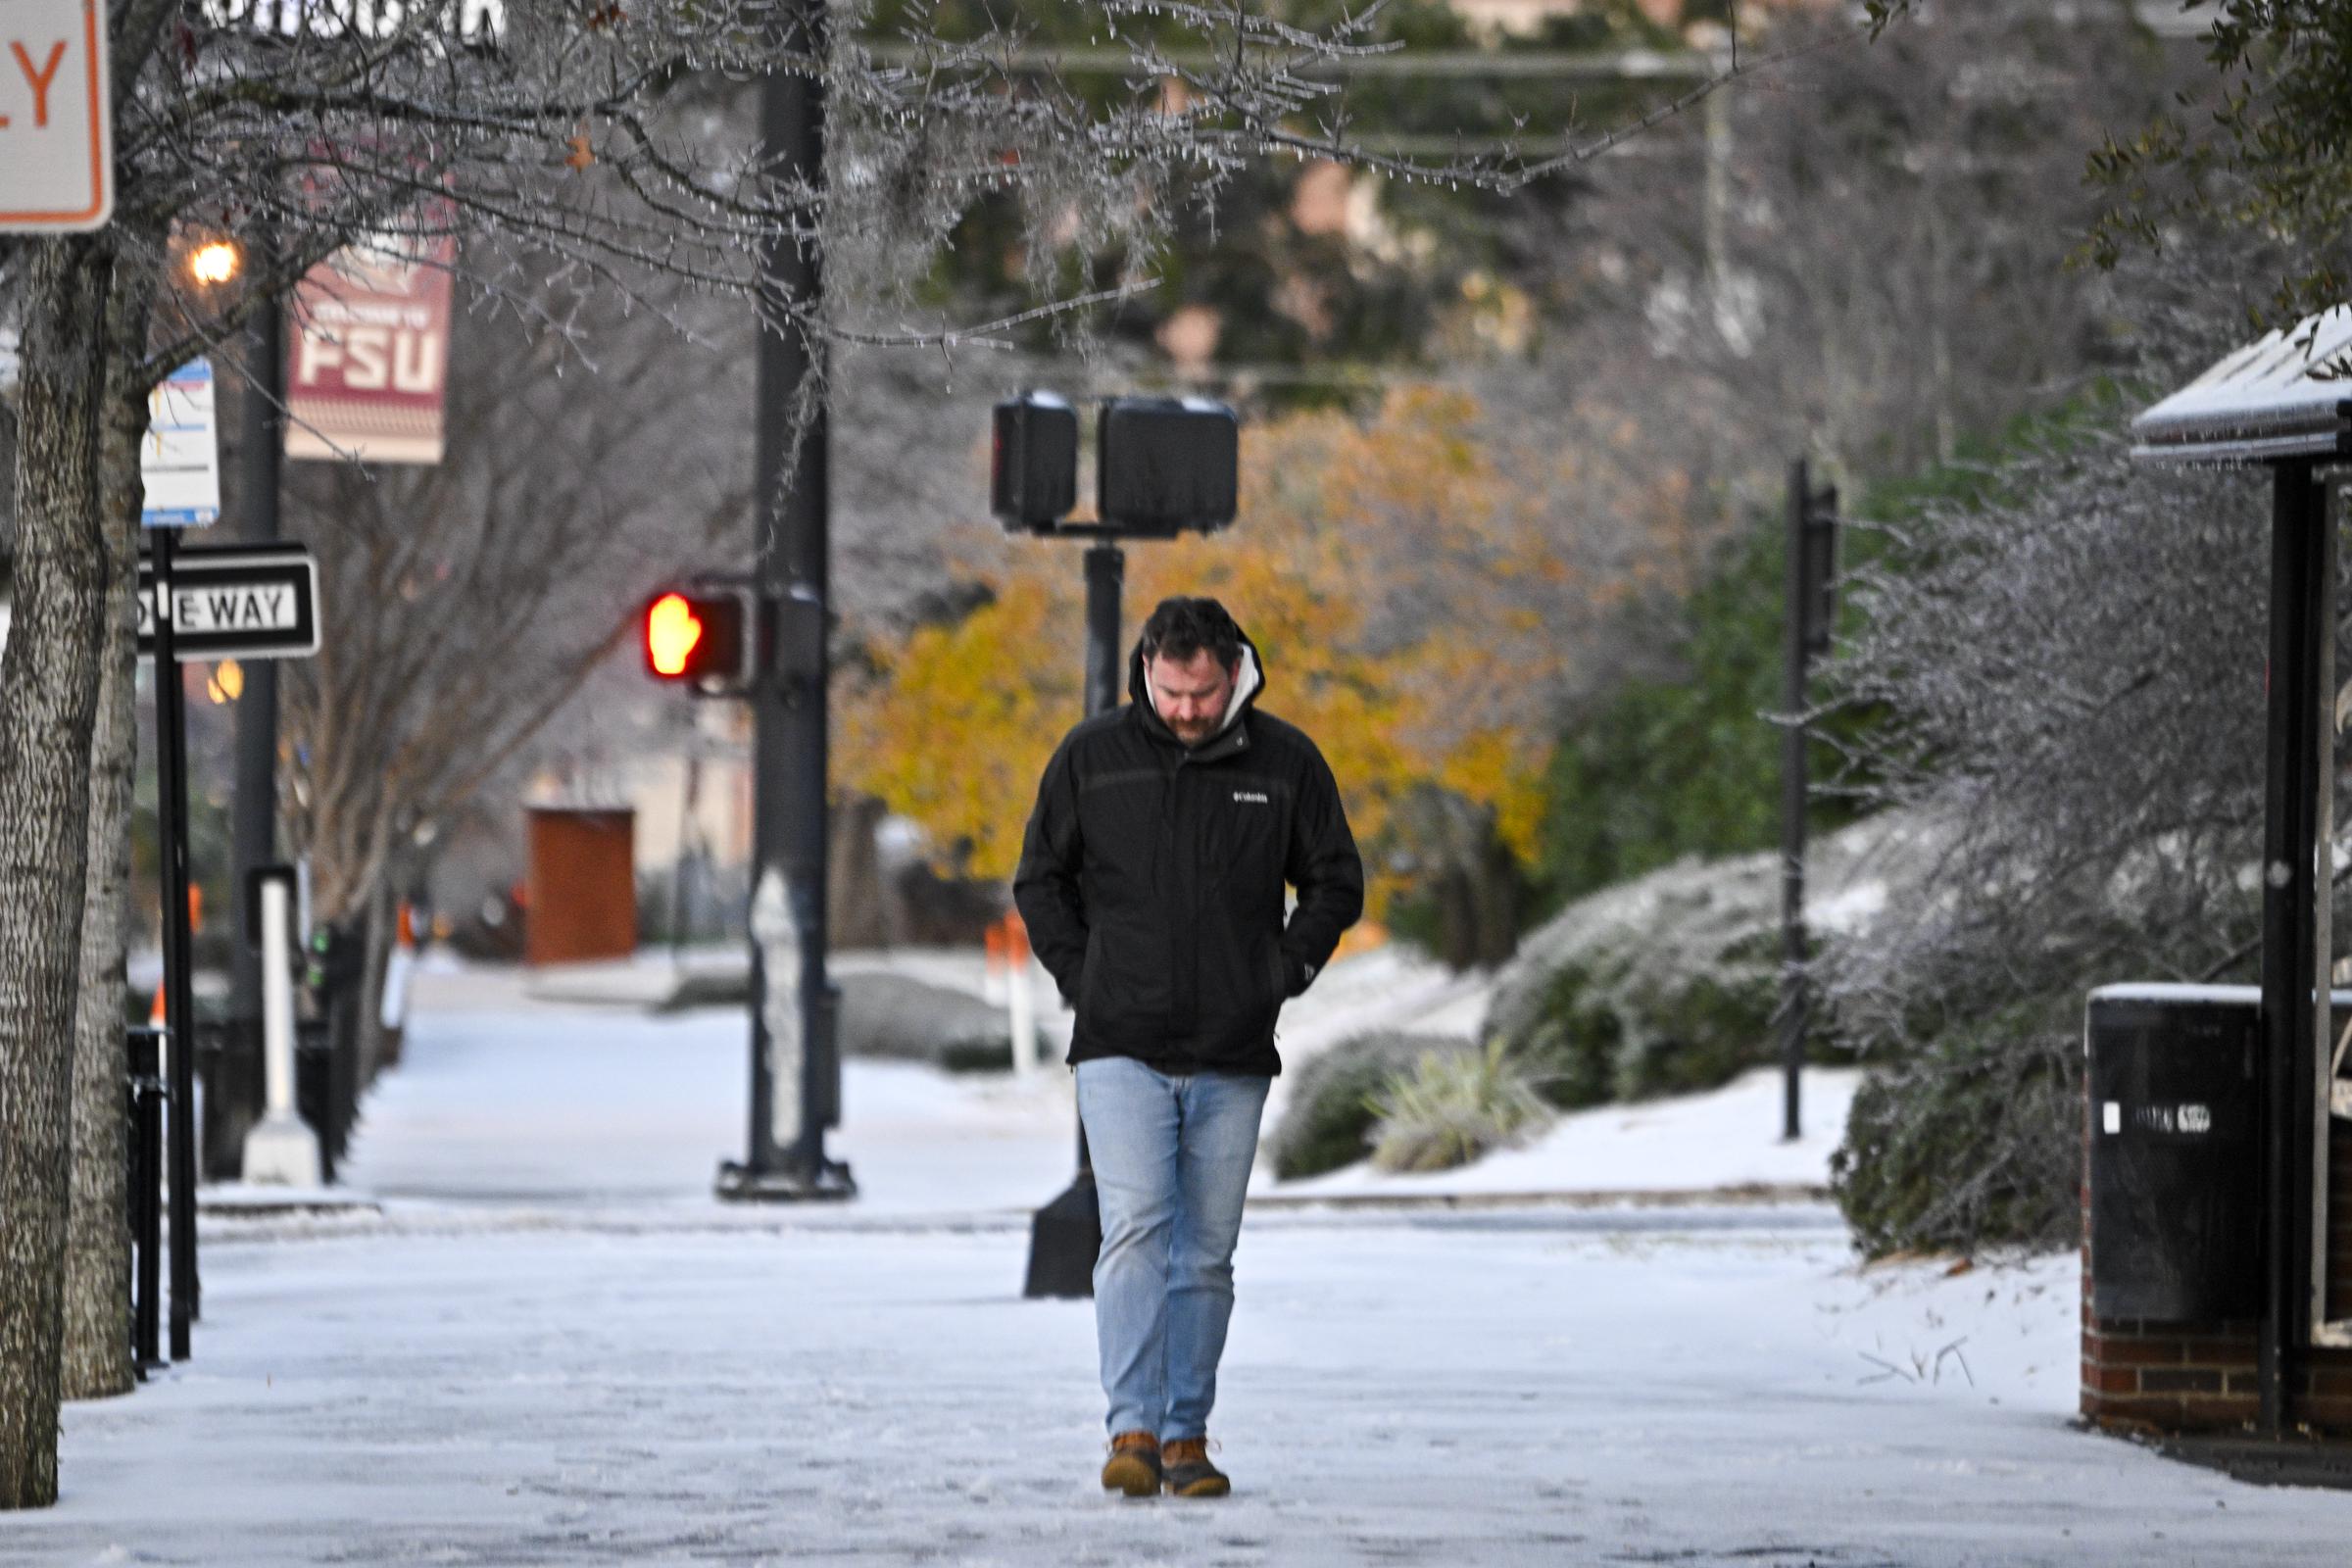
pixel 1185 1465
pixel 1134 1464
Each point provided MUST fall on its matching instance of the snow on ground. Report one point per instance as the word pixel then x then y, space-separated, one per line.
pixel 1729 1138
pixel 554 1348
pixel 575 1107
pixel 1390 987
pixel 1544 1387
pixel 630 1110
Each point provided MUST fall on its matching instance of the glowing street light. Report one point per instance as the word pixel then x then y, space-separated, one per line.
pixel 213 262
pixel 227 683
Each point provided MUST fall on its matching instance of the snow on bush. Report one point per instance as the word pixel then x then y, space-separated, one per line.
pixel 1454 1107
pixel 900 1019
pixel 1330 1119
pixel 1668 984
pixel 1974 1137
pixel 2069 657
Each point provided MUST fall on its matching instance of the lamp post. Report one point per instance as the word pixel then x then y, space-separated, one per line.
pixel 253 799
pixel 211 265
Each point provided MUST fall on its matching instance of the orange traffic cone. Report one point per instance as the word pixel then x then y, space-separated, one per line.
pixel 159 1014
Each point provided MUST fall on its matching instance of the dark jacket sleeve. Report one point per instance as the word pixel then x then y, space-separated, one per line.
pixel 1047 888
pixel 1323 866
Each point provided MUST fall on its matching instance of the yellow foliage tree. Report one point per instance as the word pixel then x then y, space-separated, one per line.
pixel 956 722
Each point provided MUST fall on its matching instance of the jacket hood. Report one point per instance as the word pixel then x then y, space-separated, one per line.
pixel 1248 683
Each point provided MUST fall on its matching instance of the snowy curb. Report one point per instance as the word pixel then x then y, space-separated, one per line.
pixel 239 1202
pixel 1741 1195
pixel 258 1222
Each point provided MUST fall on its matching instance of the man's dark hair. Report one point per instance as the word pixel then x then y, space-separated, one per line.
pixel 1181 628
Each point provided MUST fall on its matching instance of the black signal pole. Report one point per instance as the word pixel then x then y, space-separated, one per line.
pixel 1106 580
pixel 171 839
pixel 1812 524
pixel 1066 1235
pixel 790 730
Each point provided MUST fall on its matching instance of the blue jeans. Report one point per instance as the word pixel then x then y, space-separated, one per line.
pixel 1171 1157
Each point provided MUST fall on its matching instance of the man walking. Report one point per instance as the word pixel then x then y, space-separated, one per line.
pixel 1152 882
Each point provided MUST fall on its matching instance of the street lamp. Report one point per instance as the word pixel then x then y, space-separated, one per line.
pixel 215 262
pixel 227 683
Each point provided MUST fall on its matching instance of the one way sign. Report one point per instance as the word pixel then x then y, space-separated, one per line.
pixel 235 602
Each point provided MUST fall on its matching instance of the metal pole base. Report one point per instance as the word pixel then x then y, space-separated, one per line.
pixel 740 1183
pixel 282 1152
pixel 1064 1239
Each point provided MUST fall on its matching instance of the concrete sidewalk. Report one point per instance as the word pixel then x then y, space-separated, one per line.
pixel 552 1346
pixel 1505 1389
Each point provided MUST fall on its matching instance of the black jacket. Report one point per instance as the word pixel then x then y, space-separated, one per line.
pixel 1151 881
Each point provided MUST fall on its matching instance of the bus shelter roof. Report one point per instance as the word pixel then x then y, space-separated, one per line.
pixel 2286 395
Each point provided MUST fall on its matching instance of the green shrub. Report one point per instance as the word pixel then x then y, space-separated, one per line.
pixel 1975 1139
pixel 1329 1120
pixel 1570 1050
pixel 1699 1035
pixel 1685 763
pixel 1454 1107
pixel 1609 1029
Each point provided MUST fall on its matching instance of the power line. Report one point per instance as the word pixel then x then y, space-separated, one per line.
pixel 1550 65
pixel 2168 18
pixel 1405 144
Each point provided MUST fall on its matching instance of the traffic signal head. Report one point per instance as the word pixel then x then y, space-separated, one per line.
pixel 1164 465
pixel 1033 471
pixel 704 636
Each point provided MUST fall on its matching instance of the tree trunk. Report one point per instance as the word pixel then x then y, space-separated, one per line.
pixel 97 1357
pixel 1498 894
pixel 857 917
pixel 48 702
pixel 377 1048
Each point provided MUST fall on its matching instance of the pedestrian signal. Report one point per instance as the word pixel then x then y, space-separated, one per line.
pixel 702 636
pixel 1166 465
pixel 1033 463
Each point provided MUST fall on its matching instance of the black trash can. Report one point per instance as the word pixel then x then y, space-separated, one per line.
pixel 230 1088
pixel 316 1097
pixel 2176 1152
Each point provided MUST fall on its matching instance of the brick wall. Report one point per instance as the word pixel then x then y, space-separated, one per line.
pixel 2326 1400
pixel 2200 1377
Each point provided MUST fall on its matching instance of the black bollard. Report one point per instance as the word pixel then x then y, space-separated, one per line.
pixel 1064 1239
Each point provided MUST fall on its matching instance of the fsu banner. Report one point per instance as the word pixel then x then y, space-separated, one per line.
pixel 369 360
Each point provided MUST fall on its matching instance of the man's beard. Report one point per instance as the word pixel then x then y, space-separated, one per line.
pixel 1191 732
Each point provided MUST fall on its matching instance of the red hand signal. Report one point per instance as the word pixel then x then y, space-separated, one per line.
pixel 671 630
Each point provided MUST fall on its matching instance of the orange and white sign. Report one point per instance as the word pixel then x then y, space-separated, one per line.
pixel 369 360
pixel 57 156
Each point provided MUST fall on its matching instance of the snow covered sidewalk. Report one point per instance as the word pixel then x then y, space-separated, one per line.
pixel 1527 1388
pixel 552 1346
pixel 581 1110
pixel 526 1106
